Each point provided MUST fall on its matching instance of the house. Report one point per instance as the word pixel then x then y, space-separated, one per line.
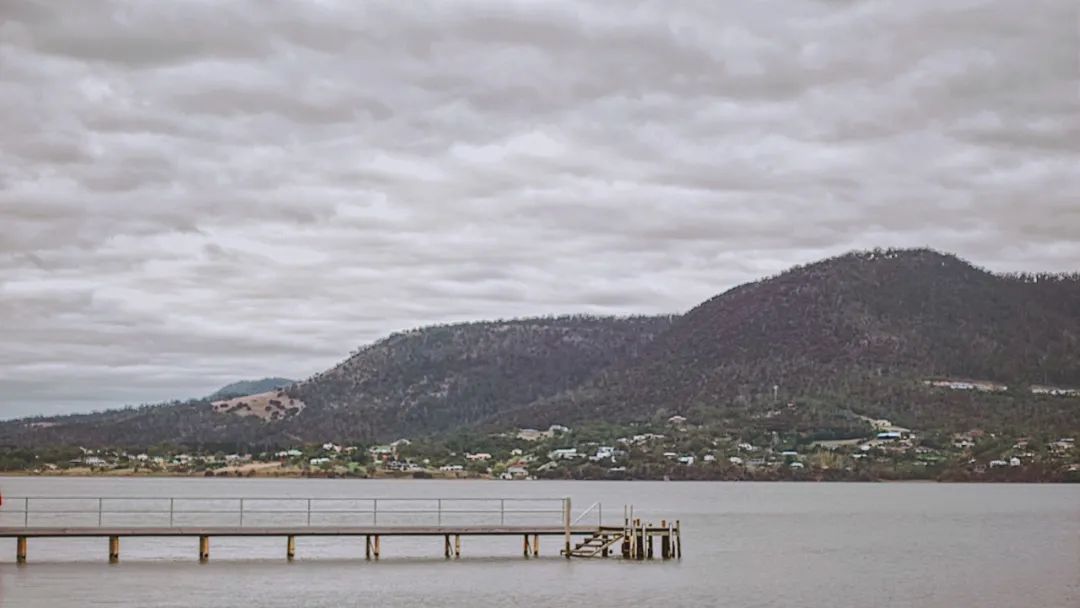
pixel 984 386
pixel 1055 391
pixel 451 468
pixel 670 455
pixel 331 447
pixel 998 463
pixel 318 462
pixel 746 447
pixel 687 460
pixel 563 454
pixel 889 436
pixel 93 461
pixel 479 457
pixel 516 472
pixel 709 458
pixel 1014 462
pixel 399 443
pixel 677 420
pixel 516 452
pixel 796 465
pixel 603 453
pixel 735 460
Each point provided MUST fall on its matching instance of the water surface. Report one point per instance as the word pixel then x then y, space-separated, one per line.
pixel 745 544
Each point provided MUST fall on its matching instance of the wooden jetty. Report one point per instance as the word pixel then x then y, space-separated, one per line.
pixel 114 518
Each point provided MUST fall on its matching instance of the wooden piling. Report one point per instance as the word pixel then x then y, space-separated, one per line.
pixel 566 528
pixel 204 548
pixel 114 549
pixel 290 548
pixel 525 544
pixel 446 546
pixel 367 547
pixel 20 550
pixel 649 544
pixel 378 547
pixel 678 539
pixel 536 545
pixel 457 546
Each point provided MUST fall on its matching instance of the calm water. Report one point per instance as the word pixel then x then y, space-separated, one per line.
pixel 745 544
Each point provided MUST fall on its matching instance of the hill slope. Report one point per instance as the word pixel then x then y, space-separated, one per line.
pixel 426 380
pixel 861 330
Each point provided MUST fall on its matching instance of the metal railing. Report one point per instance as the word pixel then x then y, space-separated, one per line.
pixel 70 511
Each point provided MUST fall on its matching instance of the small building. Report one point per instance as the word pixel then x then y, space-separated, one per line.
pixel 735 460
pixel 1014 462
pixel 318 462
pixel 478 457
pixel 563 454
pixel 998 463
pixel 677 420
pixel 451 468
pixel 709 458
pixel 687 460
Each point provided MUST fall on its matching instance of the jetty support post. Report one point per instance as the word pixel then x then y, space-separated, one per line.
pixel 114 549
pixel 566 527
pixel 367 547
pixel 290 548
pixel 536 545
pixel 20 550
pixel 204 548
pixel 378 546
pixel 678 539
pixel 525 544
pixel 457 546
pixel 665 540
pixel 446 546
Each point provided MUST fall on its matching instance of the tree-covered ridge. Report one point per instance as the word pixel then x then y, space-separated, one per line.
pixel 861 330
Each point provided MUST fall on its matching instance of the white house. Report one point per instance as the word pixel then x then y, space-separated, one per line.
pixel 735 460
pixel 316 462
pixel 479 457
pixel 451 467
pixel 563 454
pixel 687 460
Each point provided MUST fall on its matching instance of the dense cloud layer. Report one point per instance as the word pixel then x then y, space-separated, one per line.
pixel 195 192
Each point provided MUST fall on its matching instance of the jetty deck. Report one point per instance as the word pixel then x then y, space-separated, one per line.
pixel 585 535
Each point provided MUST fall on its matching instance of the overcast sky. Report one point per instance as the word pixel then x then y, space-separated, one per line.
pixel 197 192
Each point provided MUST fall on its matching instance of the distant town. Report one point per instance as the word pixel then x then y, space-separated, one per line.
pixel 675 448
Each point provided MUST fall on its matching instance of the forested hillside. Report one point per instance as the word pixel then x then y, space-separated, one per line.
pixel 811 351
pixel 860 331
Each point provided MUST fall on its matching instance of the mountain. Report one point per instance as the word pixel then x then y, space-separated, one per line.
pixel 426 380
pixel 813 351
pixel 863 330
pixel 244 388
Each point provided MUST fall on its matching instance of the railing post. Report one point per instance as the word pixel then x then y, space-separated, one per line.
pixel 171 501
pixel 599 515
pixel 241 512
pixel 100 502
pixel 439 509
pixel 502 511
pixel 26 512
pixel 309 512
pixel 566 526
pixel 375 519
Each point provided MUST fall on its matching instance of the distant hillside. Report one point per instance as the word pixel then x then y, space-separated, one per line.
pixel 426 380
pixel 812 351
pixel 244 388
pixel 440 378
pixel 861 331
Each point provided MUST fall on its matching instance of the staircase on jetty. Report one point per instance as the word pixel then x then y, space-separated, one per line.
pixel 636 538
pixel 23 518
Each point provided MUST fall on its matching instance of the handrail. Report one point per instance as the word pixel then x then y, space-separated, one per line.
pixel 256 507
pixel 599 518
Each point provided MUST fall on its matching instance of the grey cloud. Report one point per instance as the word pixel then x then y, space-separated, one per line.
pixel 191 193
